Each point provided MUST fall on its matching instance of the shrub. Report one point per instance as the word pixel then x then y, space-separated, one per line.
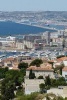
pixel 47 87
pixel 42 86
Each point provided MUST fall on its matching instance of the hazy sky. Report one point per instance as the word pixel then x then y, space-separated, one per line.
pixel 33 5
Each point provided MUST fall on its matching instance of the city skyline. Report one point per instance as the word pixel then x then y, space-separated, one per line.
pixel 33 5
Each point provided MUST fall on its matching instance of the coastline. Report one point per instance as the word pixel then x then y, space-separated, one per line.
pixel 21 30
pixel 44 27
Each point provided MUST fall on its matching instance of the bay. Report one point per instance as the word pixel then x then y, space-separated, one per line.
pixel 12 28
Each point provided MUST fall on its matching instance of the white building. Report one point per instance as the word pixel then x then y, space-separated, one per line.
pixel 8 41
pixel 44 70
pixel 32 85
pixel 11 38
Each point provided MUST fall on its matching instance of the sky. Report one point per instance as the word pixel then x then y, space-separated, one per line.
pixel 33 5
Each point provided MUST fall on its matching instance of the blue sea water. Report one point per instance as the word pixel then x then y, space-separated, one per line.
pixel 58 27
pixel 12 28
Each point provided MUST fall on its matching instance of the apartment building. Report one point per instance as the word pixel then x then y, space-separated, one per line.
pixel 44 70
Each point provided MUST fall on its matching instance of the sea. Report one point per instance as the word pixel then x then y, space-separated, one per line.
pixel 58 27
pixel 11 28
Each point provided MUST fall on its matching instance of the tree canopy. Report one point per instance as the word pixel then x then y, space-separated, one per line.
pixel 48 80
pixel 31 75
pixel 36 62
pixel 22 65
pixel 11 80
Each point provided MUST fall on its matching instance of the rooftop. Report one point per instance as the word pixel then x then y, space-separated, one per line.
pixel 43 67
pixel 64 69
pixel 62 59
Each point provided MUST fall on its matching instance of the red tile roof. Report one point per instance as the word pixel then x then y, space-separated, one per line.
pixel 62 59
pixel 41 68
pixel 8 59
pixel 46 65
pixel 64 69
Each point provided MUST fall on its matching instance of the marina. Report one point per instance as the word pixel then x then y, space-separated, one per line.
pixel 32 54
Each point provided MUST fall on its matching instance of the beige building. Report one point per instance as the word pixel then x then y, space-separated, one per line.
pixel 32 85
pixel 20 45
pixel 44 70
pixel 28 44
pixel 65 91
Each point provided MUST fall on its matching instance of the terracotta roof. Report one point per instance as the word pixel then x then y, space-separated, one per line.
pixel 62 59
pixel 15 68
pixel 46 65
pixel 8 59
pixel 40 68
pixel 51 61
pixel 64 69
pixel 27 61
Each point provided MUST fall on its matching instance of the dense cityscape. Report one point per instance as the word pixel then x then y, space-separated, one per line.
pixel 34 66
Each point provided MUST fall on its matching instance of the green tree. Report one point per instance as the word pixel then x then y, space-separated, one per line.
pixel 7 90
pixel 60 98
pixel 36 62
pixel 47 81
pixel 32 96
pixel 23 65
pixel 31 75
pixel 12 79
pixel 2 72
pixel 61 67
pixel 58 82
pixel 53 82
pixel 42 86
pixel 65 98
